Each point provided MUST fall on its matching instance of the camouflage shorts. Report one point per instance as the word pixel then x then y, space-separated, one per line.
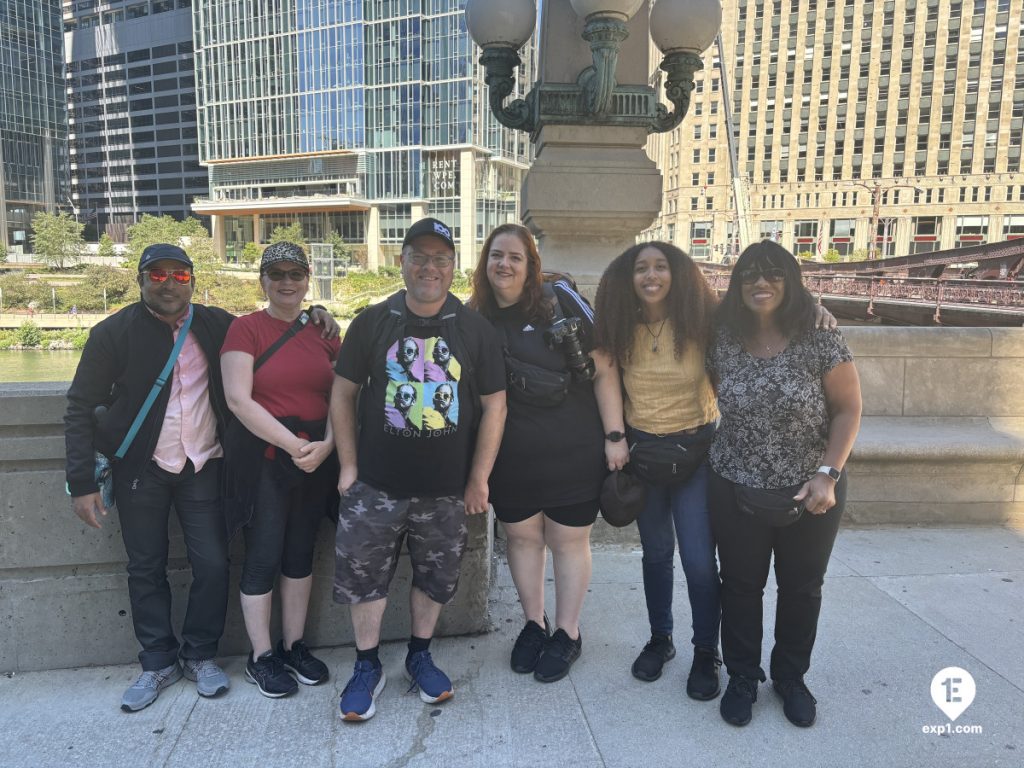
pixel 371 528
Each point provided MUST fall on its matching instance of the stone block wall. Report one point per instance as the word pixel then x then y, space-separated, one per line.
pixel 63 586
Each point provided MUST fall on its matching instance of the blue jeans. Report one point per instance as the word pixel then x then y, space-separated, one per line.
pixel 683 507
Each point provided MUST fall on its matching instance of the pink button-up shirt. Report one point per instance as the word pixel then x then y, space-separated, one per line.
pixel 190 428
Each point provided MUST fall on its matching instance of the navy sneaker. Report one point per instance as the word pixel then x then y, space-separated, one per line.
pixel 365 685
pixel 434 684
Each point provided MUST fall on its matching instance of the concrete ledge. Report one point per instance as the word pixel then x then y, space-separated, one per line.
pixel 63 586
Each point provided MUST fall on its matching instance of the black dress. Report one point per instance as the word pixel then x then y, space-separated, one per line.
pixel 549 456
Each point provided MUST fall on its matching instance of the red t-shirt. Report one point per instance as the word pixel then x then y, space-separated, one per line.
pixel 297 379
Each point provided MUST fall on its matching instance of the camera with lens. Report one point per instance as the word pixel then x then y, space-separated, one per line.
pixel 565 333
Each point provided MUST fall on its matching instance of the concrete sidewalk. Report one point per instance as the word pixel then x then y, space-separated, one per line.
pixel 900 604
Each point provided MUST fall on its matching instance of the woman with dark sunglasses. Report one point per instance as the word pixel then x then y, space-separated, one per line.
pixel 654 317
pixel 789 398
pixel 282 468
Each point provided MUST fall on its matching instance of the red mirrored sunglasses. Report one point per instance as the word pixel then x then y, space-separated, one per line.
pixel 180 276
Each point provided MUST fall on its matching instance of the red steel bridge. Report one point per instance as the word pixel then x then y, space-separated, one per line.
pixel 982 285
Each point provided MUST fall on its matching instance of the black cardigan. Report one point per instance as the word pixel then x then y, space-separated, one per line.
pixel 121 360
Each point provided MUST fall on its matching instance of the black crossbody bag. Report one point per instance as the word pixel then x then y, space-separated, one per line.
pixel 771 506
pixel 661 462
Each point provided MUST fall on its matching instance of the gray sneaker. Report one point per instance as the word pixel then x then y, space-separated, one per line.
pixel 210 679
pixel 144 691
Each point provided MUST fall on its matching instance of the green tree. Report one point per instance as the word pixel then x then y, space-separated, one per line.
pixel 107 250
pixel 290 234
pixel 832 256
pixel 57 239
pixel 190 234
pixel 251 254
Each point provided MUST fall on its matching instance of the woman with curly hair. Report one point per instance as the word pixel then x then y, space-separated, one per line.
pixel 547 477
pixel 655 313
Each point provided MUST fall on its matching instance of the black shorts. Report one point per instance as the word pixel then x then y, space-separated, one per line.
pixel 577 515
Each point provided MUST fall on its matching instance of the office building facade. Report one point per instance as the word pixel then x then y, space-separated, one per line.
pixel 33 120
pixel 350 117
pixel 906 115
pixel 132 103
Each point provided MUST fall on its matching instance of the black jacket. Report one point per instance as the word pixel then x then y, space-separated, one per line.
pixel 121 360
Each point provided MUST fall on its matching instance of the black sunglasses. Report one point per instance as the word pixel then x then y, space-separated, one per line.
pixel 771 274
pixel 295 275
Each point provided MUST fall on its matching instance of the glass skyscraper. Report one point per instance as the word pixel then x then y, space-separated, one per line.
pixel 349 116
pixel 33 116
pixel 132 100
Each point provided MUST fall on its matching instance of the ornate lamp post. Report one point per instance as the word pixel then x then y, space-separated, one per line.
pixel 587 205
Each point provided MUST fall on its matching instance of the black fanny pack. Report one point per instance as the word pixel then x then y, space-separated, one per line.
pixel 533 385
pixel 665 462
pixel 770 506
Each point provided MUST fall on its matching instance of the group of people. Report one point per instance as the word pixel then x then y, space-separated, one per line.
pixel 430 411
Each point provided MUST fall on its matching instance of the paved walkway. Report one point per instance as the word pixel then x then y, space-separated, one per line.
pixel 900 604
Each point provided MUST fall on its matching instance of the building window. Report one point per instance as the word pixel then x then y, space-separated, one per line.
pixel 971 230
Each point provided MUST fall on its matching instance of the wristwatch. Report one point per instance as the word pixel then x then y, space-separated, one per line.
pixel 832 472
pixel 615 436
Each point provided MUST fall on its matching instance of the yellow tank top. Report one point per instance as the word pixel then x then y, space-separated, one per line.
pixel 663 394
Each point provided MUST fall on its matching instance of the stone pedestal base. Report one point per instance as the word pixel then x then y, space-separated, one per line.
pixel 588 195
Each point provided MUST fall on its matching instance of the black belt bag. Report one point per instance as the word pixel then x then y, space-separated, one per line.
pixel 533 385
pixel 770 506
pixel 667 462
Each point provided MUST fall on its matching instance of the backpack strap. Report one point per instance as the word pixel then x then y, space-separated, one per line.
pixel 158 385
pixel 293 329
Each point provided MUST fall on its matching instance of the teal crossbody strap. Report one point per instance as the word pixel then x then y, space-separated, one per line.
pixel 161 380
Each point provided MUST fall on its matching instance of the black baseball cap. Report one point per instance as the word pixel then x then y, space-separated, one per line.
pixel 159 251
pixel 432 227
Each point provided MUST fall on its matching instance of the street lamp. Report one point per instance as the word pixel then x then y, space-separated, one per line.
pixel 681 29
pixel 876 210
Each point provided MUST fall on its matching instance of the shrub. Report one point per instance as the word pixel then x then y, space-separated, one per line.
pixel 19 291
pixel 805 255
pixel 832 256
pixel 8 338
pixel 29 335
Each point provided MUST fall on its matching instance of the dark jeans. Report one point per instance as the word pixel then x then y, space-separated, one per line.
pixel 144 515
pixel 680 512
pixel 745 548
pixel 282 532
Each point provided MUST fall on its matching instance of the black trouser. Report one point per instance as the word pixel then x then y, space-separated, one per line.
pixel 282 533
pixel 745 548
pixel 144 515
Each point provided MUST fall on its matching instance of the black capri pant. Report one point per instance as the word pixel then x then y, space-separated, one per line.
pixel 281 534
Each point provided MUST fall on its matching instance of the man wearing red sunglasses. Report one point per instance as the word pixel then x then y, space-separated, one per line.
pixel 174 460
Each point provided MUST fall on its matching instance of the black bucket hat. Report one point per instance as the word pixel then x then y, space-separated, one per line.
pixel 622 498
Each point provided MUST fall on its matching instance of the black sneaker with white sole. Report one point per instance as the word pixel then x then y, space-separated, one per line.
pixel 269 675
pixel 306 667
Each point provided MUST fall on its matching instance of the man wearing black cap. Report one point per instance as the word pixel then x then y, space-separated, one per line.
pixel 173 459
pixel 419 482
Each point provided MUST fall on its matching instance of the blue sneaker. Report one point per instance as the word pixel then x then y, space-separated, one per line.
pixel 434 684
pixel 363 687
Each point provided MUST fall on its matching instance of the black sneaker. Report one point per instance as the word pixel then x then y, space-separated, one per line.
pixel 652 658
pixel 737 703
pixel 528 647
pixel 306 667
pixel 558 656
pixel 799 706
pixel 269 675
pixel 702 684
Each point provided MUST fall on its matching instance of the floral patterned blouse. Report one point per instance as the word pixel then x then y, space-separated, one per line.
pixel 775 418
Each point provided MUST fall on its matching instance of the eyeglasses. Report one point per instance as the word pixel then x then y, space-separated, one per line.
pixel 771 274
pixel 180 276
pixel 295 275
pixel 422 259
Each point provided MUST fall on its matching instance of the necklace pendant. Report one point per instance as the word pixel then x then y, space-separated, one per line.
pixel 654 346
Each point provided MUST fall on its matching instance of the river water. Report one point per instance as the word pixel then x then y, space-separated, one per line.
pixel 38 364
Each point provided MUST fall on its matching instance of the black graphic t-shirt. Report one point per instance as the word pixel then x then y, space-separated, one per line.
pixel 416 410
